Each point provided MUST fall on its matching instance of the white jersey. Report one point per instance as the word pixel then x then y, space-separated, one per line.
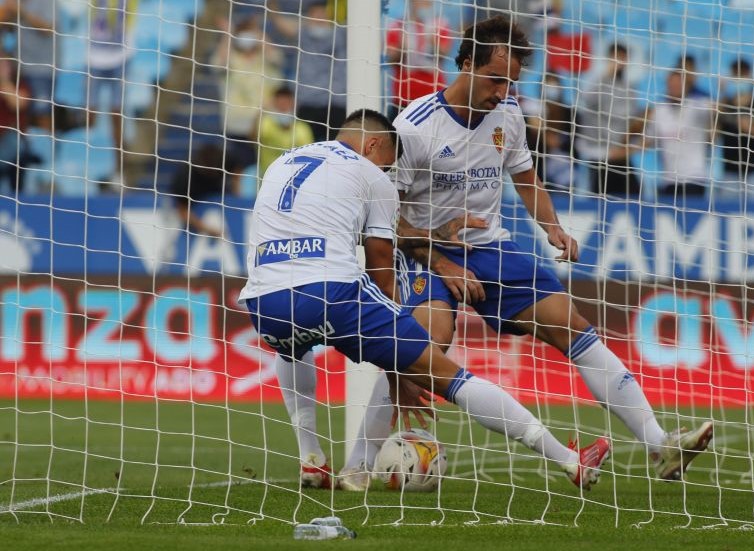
pixel 314 205
pixel 682 131
pixel 448 170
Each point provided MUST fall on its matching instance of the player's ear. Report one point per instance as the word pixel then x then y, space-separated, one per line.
pixel 467 65
pixel 371 143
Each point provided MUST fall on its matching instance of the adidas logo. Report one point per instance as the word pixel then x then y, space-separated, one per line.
pixel 446 152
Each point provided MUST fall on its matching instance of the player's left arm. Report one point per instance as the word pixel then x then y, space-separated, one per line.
pixel 539 204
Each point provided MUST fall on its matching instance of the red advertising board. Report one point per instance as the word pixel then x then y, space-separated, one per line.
pixel 169 337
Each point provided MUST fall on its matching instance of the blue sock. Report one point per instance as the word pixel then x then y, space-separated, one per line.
pixel 458 381
pixel 582 343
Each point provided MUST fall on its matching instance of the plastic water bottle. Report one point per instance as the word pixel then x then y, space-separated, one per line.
pixel 321 532
pixel 327 521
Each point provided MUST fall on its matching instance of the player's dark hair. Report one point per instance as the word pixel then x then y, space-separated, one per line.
pixel 481 39
pixel 360 118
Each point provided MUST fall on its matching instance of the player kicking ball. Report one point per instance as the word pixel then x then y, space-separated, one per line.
pixel 457 144
pixel 306 288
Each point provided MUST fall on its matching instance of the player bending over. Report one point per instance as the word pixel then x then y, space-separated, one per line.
pixel 457 143
pixel 306 288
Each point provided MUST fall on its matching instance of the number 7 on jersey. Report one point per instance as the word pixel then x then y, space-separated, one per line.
pixel 309 165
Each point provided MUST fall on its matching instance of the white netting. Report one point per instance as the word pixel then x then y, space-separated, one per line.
pixel 133 135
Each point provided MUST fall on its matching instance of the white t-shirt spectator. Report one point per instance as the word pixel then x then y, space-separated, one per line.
pixel 682 134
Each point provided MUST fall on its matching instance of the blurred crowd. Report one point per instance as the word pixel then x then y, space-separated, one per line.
pixel 279 68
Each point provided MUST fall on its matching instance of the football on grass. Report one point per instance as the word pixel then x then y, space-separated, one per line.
pixel 411 460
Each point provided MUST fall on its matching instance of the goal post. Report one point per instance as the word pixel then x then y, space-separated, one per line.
pixel 364 81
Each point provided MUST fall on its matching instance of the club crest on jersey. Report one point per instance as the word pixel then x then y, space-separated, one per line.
pixel 281 250
pixel 498 138
pixel 419 284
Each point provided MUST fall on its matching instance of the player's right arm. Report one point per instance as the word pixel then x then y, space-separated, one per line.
pixel 417 242
pixel 461 282
pixel 380 265
pixel 379 235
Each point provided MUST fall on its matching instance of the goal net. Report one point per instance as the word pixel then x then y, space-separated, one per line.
pixel 133 138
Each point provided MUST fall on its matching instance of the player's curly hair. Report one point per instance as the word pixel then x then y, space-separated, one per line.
pixel 481 39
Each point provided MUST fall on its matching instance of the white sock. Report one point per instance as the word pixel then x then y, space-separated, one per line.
pixel 375 426
pixel 298 383
pixel 615 387
pixel 496 410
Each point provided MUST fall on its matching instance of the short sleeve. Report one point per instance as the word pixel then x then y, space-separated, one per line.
pixel 382 209
pixel 414 158
pixel 519 157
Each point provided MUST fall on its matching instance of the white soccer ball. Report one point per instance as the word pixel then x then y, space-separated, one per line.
pixel 411 460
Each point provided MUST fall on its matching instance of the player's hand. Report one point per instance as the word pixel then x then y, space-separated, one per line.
pixel 447 234
pixel 559 239
pixel 463 283
pixel 409 399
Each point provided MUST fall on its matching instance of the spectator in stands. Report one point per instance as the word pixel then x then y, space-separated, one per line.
pixel 35 32
pixel 279 130
pixel 14 115
pixel 608 116
pixel 415 48
pixel 555 162
pixel 565 52
pixel 109 28
pixel 529 14
pixel 681 128
pixel 687 63
pixel 735 126
pixel 551 111
pixel 321 67
pixel 203 181
pixel 549 133
pixel 250 69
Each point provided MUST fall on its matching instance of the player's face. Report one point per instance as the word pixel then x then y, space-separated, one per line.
pixel 490 83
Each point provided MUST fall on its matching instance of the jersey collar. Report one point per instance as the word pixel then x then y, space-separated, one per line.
pixel 453 115
pixel 344 144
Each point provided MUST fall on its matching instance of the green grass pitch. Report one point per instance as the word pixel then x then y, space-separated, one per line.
pixel 158 475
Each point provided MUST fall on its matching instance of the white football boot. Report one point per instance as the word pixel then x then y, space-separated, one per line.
pixel 679 449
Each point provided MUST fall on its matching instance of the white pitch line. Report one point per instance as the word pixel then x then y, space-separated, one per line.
pixel 39 501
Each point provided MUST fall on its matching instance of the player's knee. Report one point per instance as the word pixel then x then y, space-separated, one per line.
pixel 442 337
